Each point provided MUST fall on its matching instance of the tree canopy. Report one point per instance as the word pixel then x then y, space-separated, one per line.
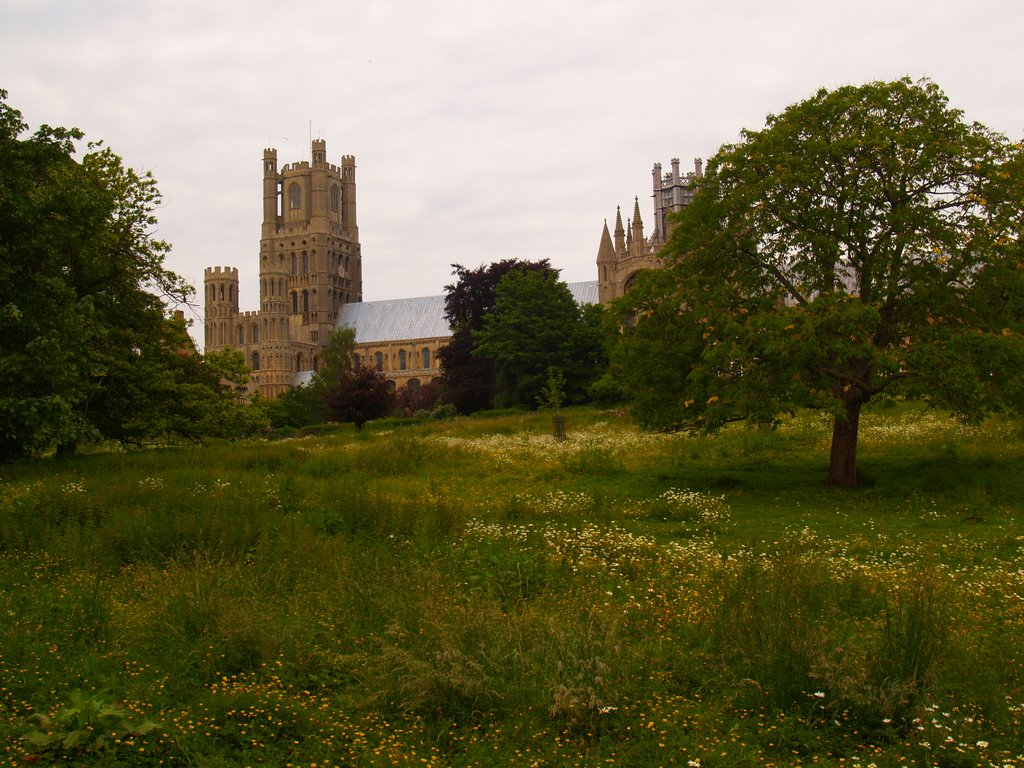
pixel 468 377
pixel 359 396
pixel 865 242
pixel 335 360
pixel 536 327
pixel 87 347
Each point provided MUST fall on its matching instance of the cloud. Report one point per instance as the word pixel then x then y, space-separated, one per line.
pixel 481 130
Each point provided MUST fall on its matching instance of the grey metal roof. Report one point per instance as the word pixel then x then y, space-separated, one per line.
pixel 585 292
pixel 419 318
pixel 395 319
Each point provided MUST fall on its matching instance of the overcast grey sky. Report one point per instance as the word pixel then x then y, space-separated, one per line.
pixel 481 130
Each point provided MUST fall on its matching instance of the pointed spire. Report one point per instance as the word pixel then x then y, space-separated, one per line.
pixel 606 251
pixel 620 233
pixel 635 238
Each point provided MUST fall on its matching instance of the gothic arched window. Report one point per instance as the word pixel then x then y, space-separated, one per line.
pixel 401 360
pixel 335 198
pixel 294 196
pixel 255 361
pixel 379 358
pixel 426 357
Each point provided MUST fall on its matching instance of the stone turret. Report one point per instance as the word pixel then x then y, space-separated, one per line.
pixel 672 191
pixel 221 290
pixel 271 193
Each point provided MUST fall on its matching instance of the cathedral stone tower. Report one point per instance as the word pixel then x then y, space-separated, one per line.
pixel 310 265
pixel 619 261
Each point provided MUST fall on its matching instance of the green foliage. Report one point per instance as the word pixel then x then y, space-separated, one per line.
pixel 535 326
pixel 443 411
pixel 86 348
pixel 915 631
pixel 89 723
pixel 552 394
pixel 468 377
pixel 865 242
pixel 299 406
pixel 655 342
pixel 335 359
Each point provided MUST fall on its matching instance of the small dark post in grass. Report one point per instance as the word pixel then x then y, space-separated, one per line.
pixel 558 427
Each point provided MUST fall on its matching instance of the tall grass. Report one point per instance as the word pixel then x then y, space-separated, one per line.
pixel 471 593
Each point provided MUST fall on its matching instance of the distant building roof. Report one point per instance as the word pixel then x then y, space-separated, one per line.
pixel 395 319
pixel 585 292
pixel 419 318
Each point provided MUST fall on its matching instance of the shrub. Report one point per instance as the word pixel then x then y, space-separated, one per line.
pixel 89 723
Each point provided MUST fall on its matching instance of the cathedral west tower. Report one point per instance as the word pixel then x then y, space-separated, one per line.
pixel 310 266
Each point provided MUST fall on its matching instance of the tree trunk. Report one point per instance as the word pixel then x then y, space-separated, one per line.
pixel 842 469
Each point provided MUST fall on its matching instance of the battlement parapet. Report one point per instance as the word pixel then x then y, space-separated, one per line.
pixel 230 273
pixel 304 166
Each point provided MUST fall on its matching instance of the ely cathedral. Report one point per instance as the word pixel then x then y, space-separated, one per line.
pixel 311 279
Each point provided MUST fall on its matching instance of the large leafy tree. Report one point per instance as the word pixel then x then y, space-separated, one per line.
pixel 652 341
pixel 864 242
pixel 86 347
pixel 468 377
pixel 537 326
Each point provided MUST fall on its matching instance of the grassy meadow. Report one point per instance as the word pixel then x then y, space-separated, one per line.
pixel 473 593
